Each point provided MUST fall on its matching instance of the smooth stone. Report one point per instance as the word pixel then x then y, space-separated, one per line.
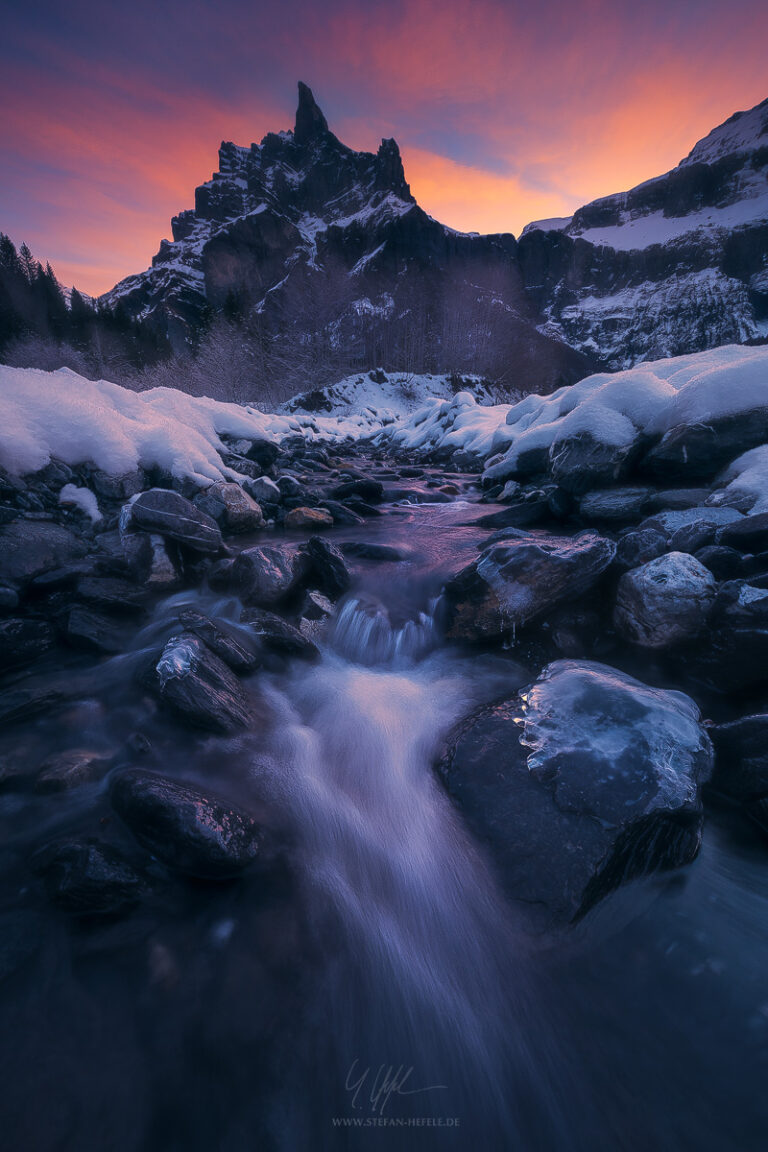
pixel 365 489
pixel 747 533
pixel 30 547
pixel 308 518
pixel 640 546
pixel 189 830
pixel 265 491
pixel 615 505
pixel 340 513
pixel 665 601
pixel 174 517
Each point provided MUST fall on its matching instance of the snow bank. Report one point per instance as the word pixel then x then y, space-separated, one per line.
pixel 459 423
pixel 63 415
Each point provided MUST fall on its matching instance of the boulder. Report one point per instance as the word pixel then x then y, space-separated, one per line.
pixel 112 593
pixel 173 517
pixel 23 641
pixel 724 563
pixel 747 533
pixel 365 489
pixel 264 453
pixel 227 642
pixel 231 507
pixel 665 601
pixel 699 451
pixel 741 757
pixel 88 878
pixel 520 578
pixel 189 830
pixel 199 686
pixel 341 514
pixel 638 547
pixel 615 505
pixel 70 769
pixel 31 547
pixel 93 631
pixel 313 518
pixel 324 567
pixel 266 491
pixel 266 575
pixel 581 462
pixel 580 782
pixel 276 635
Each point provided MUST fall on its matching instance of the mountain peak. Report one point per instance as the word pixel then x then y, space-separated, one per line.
pixel 310 122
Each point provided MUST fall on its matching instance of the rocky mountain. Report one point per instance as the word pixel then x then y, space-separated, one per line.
pixel 678 264
pixel 327 249
pixel 336 268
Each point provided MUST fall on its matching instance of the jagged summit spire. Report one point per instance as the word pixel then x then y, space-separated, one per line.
pixel 310 122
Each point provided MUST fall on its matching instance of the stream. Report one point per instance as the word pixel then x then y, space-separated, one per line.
pixel 375 989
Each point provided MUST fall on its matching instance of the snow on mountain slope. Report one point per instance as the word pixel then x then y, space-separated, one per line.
pixel 385 396
pixel 677 264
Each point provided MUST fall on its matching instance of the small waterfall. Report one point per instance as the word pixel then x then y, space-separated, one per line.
pixel 364 634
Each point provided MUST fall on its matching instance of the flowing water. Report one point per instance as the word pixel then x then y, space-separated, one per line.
pixel 379 991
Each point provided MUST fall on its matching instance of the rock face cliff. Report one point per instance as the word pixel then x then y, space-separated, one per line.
pixel 327 246
pixel 678 264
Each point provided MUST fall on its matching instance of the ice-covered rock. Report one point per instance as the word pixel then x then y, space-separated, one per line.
pixel 198 685
pixel 519 578
pixel 581 782
pixel 665 601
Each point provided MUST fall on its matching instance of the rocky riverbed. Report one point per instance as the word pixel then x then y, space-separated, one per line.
pixel 288 766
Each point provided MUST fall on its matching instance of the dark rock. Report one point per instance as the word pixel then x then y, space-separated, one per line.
pixel 757 810
pixel 31 547
pixel 741 757
pixel 264 453
pixel 70 769
pixel 313 518
pixel 23 641
pixel 277 635
pixel 173 517
pixel 692 537
pixel 9 598
pixel 265 491
pixel 679 499
pixel 529 508
pixel 724 563
pixel 341 514
pixel 199 686
pixel 370 491
pixel 231 507
pixel 665 601
pixel 324 567
pixel 289 486
pixel 699 451
pixel 583 781
pixel 361 508
pixel 117 488
pixel 748 534
pixel 365 550
pixel 615 505
pixel 579 463
pixel 517 580
pixel 112 593
pixel 187 829
pixel 88 878
pixel 228 643
pixel 640 546
pixel 266 575
pixel 22 703
pixel 94 631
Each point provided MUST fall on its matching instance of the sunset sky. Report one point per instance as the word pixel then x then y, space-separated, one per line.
pixel 504 112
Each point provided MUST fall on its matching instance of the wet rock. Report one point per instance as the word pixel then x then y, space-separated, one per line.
pixel 615 505
pixel 267 492
pixel 189 830
pixel 698 451
pixel 173 517
pixel 22 703
pixel 308 518
pixel 88 878
pixel 365 550
pixel 581 782
pixel 23 641
pixel 117 488
pixel 228 643
pixel 741 757
pixel 517 580
pixel 264 453
pixel 747 533
pixel 341 514
pixel 289 487
pixel 231 507
pixel 266 575
pixel 580 462
pixel 31 547
pixel 361 508
pixel 365 489
pixel 70 770
pixel 324 567
pixel 638 547
pixel 199 686
pixel 757 810
pixel 277 635
pixel 528 507
pixel 724 563
pixel 112 593
pixel 316 607
pixel 84 628
pixel 680 498
pixel 665 601
pixel 692 537
pixel 9 598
